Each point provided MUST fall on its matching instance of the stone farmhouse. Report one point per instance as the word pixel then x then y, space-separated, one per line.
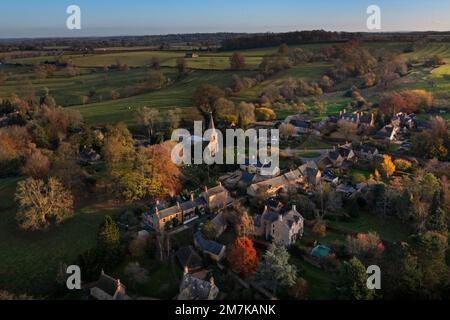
pixel 279 225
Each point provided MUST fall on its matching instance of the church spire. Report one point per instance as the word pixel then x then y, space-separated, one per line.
pixel 211 123
pixel 213 145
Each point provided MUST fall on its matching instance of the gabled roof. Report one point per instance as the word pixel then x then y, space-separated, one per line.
pixel 208 245
pixel 107 284
pixel 219 220
pixel 214 190
pixel 188 257
pixel 188 205
pixel 309 169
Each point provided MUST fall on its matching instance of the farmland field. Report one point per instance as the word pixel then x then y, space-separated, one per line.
pixel 178 95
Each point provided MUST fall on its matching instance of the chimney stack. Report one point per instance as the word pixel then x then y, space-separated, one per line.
pixel 280 217
pixel 192 197
pixel 294 207
pixel 186 270
pixel 206 189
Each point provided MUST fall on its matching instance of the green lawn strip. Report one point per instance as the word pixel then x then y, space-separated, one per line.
pixel 308 154
pixel 388 229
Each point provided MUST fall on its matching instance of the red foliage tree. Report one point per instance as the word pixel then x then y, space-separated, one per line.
pixel 243 257
pixel 392 103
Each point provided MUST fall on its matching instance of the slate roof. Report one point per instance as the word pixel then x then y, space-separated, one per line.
pixel 271 216
pixel 192 288
pixel 207 245
pixel 169 211
pixel 219 220
pixel 188 257
pixel 107 284
pixel 247 177
pixel 188 205
pixel 299 123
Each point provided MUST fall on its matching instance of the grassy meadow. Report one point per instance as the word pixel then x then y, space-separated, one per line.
pixel 30 260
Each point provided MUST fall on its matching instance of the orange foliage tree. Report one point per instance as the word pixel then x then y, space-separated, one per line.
pixel 243 257
pixel 387 166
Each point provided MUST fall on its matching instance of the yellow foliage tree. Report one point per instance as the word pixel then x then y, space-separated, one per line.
pixel 387 166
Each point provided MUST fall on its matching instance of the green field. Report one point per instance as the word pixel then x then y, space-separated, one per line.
pixel 67 90
pixel 178 95
pixel 210 67
pixel 29 260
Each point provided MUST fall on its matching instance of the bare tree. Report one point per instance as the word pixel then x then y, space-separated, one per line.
pixel 147 117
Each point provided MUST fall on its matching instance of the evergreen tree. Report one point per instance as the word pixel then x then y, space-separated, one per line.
pixel 275 269
pixel 109 243
pixel 437 220
pixel 352 282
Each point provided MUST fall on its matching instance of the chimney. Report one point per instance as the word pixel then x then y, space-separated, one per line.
pixel 294 207
pixel 220 184
pixel 265 208
pixel 192 197
pixel 280 217
pixel 178 205
pixel 186 270
pixel 157 202
pixel 211 281
pixel 206 189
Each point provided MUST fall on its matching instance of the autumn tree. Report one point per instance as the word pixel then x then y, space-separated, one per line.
pixel 392 103
pixel 157 165
pixel 243 257
pixel 246 114
pixel 365 246
pixel 265 114
pixel 347 128
pixel 155 63
pixel 209 230
pixel 15 145
pixel 181 66
pixel 174 117
pixel 205 98
pixel 275 270
pixel 41 204
pixel 387 167
pixel 37 165
pixel 287 130
pixel 240 219
pixel 237 61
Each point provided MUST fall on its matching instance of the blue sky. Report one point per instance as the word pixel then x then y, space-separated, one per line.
pixel 38 18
